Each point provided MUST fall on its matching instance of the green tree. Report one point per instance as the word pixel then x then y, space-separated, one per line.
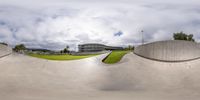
pixel 19 47
pixel 183 36
pixel 129 47
pixel 190 38
pixel 66 49
pixel 3 43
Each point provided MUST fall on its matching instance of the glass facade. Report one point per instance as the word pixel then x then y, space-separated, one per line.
pixel 96 47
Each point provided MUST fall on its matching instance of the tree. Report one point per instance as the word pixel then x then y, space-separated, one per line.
pixel 65 50
pixel 183 36
pixel 190 38
pixel 129 47
pixel 61 51
pixel 3 43
pixel 19 48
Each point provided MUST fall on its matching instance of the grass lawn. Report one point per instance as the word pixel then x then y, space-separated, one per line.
pixel 61 57
pixel 115 57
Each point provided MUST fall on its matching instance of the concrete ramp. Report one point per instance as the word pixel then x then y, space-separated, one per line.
pixel 169 51
pixel 134 78
pixel 4 50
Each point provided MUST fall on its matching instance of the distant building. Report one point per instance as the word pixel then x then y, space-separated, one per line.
pixel 40 51
pixel 94 47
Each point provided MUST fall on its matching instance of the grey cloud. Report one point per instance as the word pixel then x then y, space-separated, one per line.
pixel 118 33
pixel 58 23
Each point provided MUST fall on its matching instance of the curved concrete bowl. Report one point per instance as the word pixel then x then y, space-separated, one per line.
pixel 169 51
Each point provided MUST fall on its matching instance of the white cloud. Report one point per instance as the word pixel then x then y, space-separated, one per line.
pixel 59 23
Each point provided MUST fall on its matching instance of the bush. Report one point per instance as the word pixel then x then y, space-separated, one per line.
pixel 183 36
pixel 4 43
pixel 19 48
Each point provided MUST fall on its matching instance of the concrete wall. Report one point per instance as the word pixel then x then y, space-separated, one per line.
pixel 169 50
pixel 4 50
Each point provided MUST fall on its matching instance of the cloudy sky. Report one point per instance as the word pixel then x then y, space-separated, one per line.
pixel 53 24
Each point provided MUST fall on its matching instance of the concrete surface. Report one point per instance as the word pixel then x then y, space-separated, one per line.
pixel 5 50
pixel 133 78
pixel 169 50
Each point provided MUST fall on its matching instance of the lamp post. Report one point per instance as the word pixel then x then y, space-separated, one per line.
pixel 142 32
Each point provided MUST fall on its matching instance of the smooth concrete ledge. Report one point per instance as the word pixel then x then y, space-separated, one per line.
pixel 168 61
pixel 5 55
pixel 5 50
pixel 106 57
pixel 169 51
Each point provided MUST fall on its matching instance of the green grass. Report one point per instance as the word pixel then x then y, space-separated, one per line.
pixel 115 57
pixel 61 57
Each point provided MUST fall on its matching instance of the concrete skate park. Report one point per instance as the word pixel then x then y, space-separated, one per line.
pixel 165 70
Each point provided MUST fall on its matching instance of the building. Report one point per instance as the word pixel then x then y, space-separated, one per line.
pixel 94 47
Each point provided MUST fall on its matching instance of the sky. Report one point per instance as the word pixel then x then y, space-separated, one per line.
pixel 53 24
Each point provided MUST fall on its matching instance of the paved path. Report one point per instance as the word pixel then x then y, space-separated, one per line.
pixel 133 78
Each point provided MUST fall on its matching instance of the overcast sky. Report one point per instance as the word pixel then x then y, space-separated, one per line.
pixel 53 24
